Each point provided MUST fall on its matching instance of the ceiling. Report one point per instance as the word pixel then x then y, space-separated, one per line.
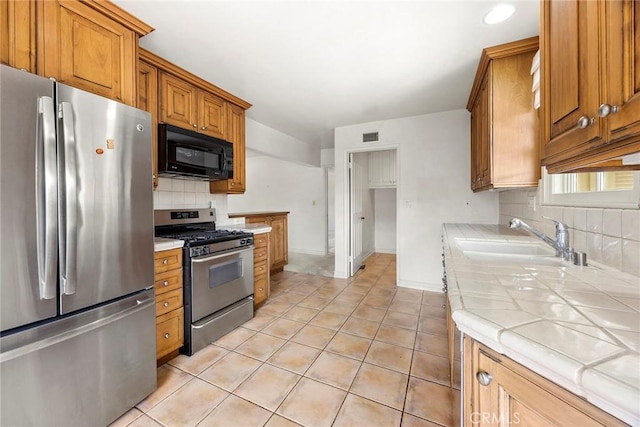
pixel 311 66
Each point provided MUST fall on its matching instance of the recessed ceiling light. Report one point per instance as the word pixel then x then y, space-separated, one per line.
pixel 499 13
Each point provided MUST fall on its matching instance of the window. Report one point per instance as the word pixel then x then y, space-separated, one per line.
pixel 593 189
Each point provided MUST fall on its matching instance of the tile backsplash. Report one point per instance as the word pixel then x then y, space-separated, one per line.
pixel 608 236
pixel 184 194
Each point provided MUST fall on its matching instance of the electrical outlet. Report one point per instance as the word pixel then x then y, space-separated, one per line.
pixel 532 203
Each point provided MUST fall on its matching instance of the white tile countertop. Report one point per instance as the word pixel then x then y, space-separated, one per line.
pixel 577 326
pixel 256 228
pixel 163 244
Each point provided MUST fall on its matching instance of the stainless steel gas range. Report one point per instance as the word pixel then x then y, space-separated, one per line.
pixel 218 274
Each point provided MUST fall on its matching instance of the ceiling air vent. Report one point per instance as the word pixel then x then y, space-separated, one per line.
pixel 370 137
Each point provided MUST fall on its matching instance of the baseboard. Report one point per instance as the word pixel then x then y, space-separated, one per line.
pixel 431 287
pixel 385 251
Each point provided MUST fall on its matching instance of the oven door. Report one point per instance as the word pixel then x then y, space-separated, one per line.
pixel 219 280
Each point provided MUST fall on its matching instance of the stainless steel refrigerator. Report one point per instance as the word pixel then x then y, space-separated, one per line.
pixel 77 340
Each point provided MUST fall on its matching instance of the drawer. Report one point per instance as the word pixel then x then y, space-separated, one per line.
pixel 168 301
pixel 260 289
pixel 260 240
pixel 168 281
pixel 169 332
pixel 260 267
pixel 168 260
pixel 259 254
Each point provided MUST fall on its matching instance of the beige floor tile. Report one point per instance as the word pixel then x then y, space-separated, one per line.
pixel 434 299
pixel 314 336
pixel 294 357
pixel 314 302
pixel 381 385
pixel 312 403
pixel 377 302
pixel 268 386
pixel 357 411
pixel 145 421
pixel 408 321
pixel 430 401
pixel 126 419
pixel 390 356
pixel 305 288
pixel 301 314
pixel 259 321
pixel 326 319
pixel 382 293
pixel 358 289
pixel 431 368
pixel 409 420
pixel 348 296
pixel 230 371
pixel 396 336
pixel 234 338
pixel 170 379
pixel 410 295
pixel 349 345
pixel 360 327
pixel 283 328
pixel 369 313
pixel 199 361
pixel 291 297
pixel 432 326
pixel 333 369
pixel 189 405
pixel 435 344
pixel 437 312
pixel 279 421
pixel 328 293
pixel 405 307
pixel 341 307
pixel 260 346
pixel 235 411
pixel 275 308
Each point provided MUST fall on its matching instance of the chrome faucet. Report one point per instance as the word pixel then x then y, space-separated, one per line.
pixel 561 244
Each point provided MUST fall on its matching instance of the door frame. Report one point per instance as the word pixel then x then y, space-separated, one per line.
pixel 346 218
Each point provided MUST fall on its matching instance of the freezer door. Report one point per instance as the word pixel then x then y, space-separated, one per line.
pixel 83 370
pixel 106 201
pixel 28 271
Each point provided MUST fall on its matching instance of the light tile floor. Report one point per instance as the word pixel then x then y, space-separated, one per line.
pixel 320 352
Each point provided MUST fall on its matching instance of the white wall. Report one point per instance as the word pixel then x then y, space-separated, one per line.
pixel 278 185
pixel 266 140
pixel 385 220
pixel 433 188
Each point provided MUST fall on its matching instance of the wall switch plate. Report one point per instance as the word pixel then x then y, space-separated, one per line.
pixel 532 203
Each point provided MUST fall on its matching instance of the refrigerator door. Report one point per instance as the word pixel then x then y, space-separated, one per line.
pixel 83 370
pixel 28 199
pixel 106 201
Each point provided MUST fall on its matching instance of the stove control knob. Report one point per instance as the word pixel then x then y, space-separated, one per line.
pixel 243 242
pixel 205 250
pixel 249 241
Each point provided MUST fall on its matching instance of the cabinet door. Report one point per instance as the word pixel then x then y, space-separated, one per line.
pixel 235 135
pixel 212 113
pixel 622 33
pixel 83 48
pixel 570 77
pixel 18 34
pixel 178 102
pixel 279 244
pixel 148 101
pixel 475 145
pixel 485 112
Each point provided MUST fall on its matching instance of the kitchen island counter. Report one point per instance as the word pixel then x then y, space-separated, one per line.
pixel 576 326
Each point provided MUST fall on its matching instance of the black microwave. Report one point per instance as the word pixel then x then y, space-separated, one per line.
pixel 186 154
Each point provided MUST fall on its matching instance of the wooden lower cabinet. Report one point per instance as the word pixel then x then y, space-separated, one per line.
pixel 499 391
pixel 279 244
pixel 261 279
pixel 169 302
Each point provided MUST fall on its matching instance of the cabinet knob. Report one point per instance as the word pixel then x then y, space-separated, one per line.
pixel 165 261
pixel 203 128
pixel 584 122
pixel 605 109
pixel 166 304
pixel 166 336
pixel 165 283
pixel 195 125
pixel 261 289
pixel 484 378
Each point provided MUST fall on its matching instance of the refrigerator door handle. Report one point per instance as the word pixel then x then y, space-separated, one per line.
pixel 68 200
pixel 46 198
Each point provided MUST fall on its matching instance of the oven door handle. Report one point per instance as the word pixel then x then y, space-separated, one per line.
pixel 218 256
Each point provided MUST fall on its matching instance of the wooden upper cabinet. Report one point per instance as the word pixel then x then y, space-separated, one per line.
pixel 212 112
pixel 505 146
pixel 148 101
pixel 18 34
pixel 589 82
pixel 178 102
pixel 90 45
pixel 236 136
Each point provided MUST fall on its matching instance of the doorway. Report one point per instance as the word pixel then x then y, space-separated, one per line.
pixel 331 216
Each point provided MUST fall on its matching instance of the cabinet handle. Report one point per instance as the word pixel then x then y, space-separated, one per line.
pixel 203 128
pixel 584 122
pixel 166 304
pixel 165 283
pixel 166 336
pixel 484 378
pixel 195 125
pixel 605 109
pixel 165 261
pixel 261 289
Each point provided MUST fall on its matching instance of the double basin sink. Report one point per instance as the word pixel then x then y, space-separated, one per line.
pixel 508 252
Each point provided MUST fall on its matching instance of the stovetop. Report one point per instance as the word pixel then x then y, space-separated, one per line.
pixel 194 237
